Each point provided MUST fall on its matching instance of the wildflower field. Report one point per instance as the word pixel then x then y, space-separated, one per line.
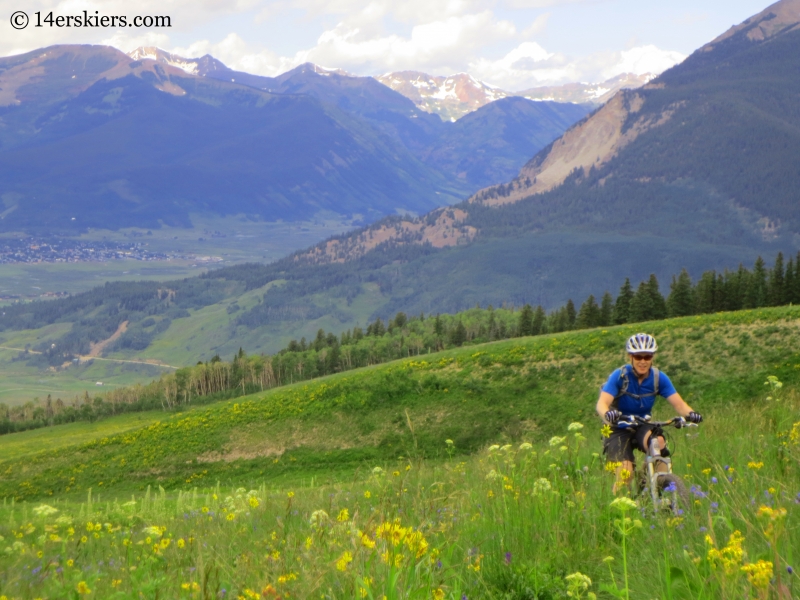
pixel 471 474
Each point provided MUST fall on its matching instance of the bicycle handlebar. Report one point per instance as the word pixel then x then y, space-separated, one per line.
pixel 634 421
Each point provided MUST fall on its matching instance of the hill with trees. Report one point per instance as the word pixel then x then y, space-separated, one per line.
pixel 331 352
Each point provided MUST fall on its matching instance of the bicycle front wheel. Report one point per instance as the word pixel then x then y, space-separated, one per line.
pixel 671 486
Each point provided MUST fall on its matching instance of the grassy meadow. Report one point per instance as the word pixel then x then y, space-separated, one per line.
pixel 471 473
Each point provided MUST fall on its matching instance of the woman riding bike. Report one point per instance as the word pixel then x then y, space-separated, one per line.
pixel 632 390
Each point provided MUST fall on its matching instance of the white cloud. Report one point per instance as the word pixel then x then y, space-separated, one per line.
pixel 643 59
pixel 439 45
pixel 546 3
pixel 529 65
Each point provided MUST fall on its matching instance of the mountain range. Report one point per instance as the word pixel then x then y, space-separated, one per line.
pixel 451 97
pixel 697 169
pixel 92 137
pixel 454 96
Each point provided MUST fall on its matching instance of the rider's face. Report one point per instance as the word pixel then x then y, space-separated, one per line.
pixel 641 363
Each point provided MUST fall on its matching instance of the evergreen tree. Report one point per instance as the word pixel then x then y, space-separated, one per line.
pixel 720 300
pixel 459 334
pixel 737 289
pixel 570 314
pixel 705 293
pixel 756 293
pixel 319 342
pixel 589 314
pixel 438 327
pixel 680 301
pixel 642 306
pixel 606 310
pixel 525 321
pixel 795 293
pixel 659 304
pixel 622 306
pixel 538 321
pixel 789 283
pixel 775 286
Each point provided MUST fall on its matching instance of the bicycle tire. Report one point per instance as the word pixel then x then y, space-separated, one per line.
pixel 681 494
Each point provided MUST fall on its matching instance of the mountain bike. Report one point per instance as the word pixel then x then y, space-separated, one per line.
pixel 667 490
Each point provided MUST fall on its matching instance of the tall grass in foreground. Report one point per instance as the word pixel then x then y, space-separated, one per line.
pixel 513 522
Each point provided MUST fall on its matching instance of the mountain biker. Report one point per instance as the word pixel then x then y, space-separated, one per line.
pixel 632 390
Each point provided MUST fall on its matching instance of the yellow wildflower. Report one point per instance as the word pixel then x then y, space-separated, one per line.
pixel 759 573
pixel 755 465
pixel 345 559
pixel 438 594
pixel 82 588
pixel 344 515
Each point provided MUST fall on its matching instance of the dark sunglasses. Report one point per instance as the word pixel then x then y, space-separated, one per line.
pixel 642 356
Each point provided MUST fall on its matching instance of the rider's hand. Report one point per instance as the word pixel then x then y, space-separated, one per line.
pixel 694 417
pixel 613 416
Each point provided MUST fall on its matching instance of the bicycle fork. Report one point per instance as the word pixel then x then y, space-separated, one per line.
pixel 653 458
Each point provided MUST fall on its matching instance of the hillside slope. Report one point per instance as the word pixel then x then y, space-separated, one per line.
pixel 723 126
pixel 519 389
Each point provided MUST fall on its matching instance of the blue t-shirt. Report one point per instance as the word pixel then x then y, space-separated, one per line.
pixel 628 405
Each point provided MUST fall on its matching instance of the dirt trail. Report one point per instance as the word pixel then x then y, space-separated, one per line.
pixel 96 350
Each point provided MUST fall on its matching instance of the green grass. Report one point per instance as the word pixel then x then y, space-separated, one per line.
pixel 514 522
pixel 21 382
pixel 473 395
pixel 510 522
pixel 25 444
pixel 32 280
pixel 212 330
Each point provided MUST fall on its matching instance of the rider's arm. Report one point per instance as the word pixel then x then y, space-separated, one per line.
pixel 679 404
pixel 604 404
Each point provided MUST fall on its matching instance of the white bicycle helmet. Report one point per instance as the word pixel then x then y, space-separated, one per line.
pixel 641 342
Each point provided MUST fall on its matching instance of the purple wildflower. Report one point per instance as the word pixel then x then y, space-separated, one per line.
pixel 508 558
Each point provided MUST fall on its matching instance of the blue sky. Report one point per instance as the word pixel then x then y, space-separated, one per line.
pixel 513 44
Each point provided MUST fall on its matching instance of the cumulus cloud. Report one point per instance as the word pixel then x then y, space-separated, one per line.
pixel 440 44
pixel 529 65
pixel 643 59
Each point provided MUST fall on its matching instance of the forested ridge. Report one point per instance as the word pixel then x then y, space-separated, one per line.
pixel 411 335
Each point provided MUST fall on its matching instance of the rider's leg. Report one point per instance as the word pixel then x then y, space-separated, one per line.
pixel 624 475
pixel 660 466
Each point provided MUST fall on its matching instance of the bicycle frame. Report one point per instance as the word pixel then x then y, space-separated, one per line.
pixel 651 461
pixel 651 472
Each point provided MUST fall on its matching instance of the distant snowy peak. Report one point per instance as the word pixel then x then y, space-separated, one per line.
pixel 587 93
pixel 312 68
pixel 449 97
pixel 454 96
pixel 193 66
